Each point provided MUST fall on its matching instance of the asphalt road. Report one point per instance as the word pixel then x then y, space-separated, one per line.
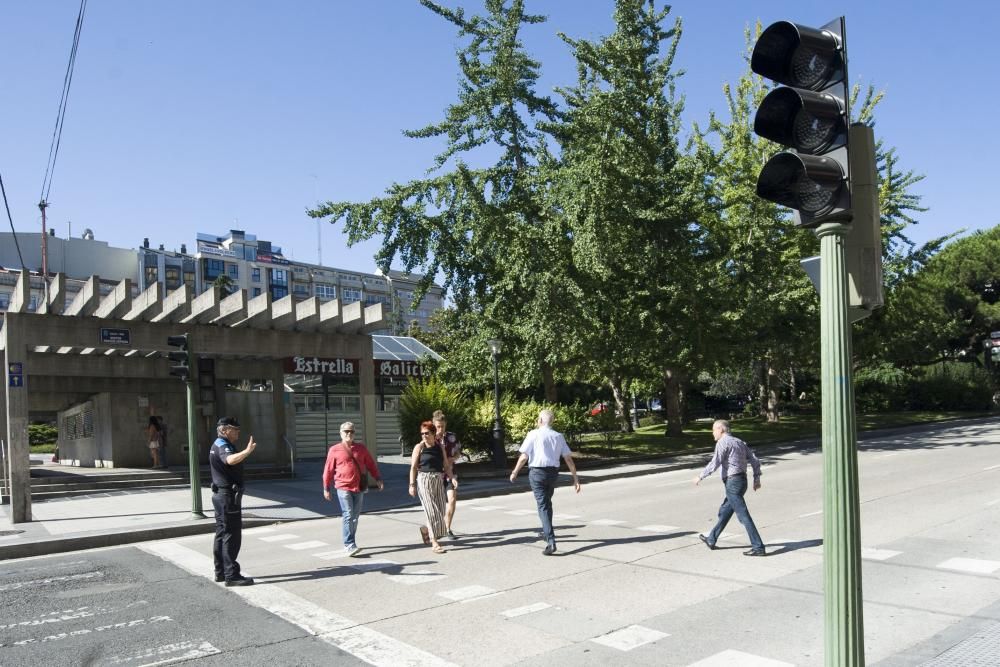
pixel 630 584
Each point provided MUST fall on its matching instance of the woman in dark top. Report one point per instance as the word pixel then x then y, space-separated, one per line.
pixel 428 465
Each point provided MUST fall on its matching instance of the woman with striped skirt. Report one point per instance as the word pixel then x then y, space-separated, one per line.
pixel 428 465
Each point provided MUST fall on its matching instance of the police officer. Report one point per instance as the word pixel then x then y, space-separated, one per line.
pixel 227 496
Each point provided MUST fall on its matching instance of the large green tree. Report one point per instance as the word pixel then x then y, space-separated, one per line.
pixel 485 229
pixel 629 199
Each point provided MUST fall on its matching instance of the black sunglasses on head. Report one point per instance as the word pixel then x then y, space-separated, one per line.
pixel 426 433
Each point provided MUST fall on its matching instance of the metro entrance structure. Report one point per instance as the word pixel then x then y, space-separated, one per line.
pixel 290 371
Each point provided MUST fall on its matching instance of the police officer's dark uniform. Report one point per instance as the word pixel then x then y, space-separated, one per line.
pixel 227 498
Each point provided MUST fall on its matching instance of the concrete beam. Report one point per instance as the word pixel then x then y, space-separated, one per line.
pixel 258 312
pixel 283 313
pixel 352 319
pixel 373 317
pixel 204 307
pixel 176 306
pixel 147 305
pixel 57 296
pixel 118 302
pixel 87 299
pixel 21 297
pixel 307 314
pixel 232 309
pixel 329 316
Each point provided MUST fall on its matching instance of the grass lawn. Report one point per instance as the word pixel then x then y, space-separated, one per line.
pixel 47 448
pixel 650 440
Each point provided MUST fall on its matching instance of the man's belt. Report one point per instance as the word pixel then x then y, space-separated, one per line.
pixel 228 488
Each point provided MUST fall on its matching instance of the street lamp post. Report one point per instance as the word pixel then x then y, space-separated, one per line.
pixel 499 451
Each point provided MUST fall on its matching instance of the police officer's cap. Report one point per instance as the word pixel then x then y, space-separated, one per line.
pixel 228 421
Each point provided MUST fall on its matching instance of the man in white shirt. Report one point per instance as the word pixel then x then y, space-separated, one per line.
pixel 541 450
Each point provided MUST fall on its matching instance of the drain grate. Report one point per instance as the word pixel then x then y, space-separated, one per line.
pixel 979 650
pixel 8 533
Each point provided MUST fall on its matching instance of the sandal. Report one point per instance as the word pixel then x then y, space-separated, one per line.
pixel 424 535
pixel 438 549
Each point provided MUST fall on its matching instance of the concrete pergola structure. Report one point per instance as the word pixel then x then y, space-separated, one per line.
pixel 55 357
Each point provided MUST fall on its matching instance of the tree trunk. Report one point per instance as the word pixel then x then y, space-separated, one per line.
pixel 549 383
pixel 772 394
pixel 672 400
pixel 760 368
pixel 793 391
pixel 621 409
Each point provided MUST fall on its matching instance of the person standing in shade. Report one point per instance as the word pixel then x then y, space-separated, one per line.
pixel 154 436
pixel 541 450
pixel 453 449
pixel 429 466
pixel 226 465
pixel 347 463
pixel 732 455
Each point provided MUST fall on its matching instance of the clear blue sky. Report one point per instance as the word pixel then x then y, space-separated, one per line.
pixel 188 116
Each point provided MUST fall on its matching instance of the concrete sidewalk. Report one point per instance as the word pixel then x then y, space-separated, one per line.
pixel 120 517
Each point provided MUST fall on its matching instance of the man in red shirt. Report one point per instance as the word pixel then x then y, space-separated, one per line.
pixel 346 464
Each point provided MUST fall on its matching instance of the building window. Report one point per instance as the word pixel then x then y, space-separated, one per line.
pixel 256 291
pixel 351 295
pixel 279 277
pixel 172 277
pixel 4 300
pixel 301 289
pixel 213 269
pixel 326 291
pixel 152 274
pixel 234 271
pixel 278 292
pixel 189 279
pixel 255 274
pixel 33 305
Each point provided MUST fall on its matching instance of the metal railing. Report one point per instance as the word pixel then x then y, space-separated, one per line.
pixel 291 453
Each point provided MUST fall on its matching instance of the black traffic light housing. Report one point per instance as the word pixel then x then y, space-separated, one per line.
pixel 809 115
pixel 180 361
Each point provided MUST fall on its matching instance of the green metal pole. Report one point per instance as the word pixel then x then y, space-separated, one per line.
pixel 844 626
pixel 193 468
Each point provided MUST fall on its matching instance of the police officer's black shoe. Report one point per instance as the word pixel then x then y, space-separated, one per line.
pixel 219 578
pixel 242 581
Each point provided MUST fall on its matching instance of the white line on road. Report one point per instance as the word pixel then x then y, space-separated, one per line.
pixel 992 467
pixel 973 565
pixel 311 544
pixel 870 553
pixel 816 513
pixel 521 512
pixel 629 638
pixel 993 502
pixel 190 651
pixel 469 593
pixel 361 642
pixel 730 657
pixel 529 609
pixel 606 522
pixel 416 577
pixel 279 538
pixel 657 528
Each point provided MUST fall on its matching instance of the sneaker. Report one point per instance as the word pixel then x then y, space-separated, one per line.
pixel 242 581
pixel 549 550
pixel 710 545
pixel 755 552
pixel 353 551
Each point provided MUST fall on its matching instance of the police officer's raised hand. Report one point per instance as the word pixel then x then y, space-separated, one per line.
pixel 251 445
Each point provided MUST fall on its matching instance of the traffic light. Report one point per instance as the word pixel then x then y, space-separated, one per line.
pixel 808 113
pixel 180 361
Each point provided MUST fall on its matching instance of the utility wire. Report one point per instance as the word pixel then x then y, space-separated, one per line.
pixel 14 233
pixel 50 167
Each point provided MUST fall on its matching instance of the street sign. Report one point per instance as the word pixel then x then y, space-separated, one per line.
pixel 15 367
pixel 15 380
pixel 995 335
pixel 116 336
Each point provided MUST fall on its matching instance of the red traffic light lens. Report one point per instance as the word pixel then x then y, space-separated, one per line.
pixel 797 55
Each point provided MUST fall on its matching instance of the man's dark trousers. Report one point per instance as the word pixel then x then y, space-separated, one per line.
pixel 228 532
pixel 543 484
pixel 736 488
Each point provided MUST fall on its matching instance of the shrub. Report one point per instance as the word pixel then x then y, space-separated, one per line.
pixel 42 434
pixel 950 387
pixel 652 419
pixel 419 401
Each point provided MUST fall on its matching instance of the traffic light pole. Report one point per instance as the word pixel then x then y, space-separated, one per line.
pixel 844 625
pixel 193 468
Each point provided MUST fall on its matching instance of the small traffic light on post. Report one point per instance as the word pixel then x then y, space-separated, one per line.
pixel 809 114
pixel 180 361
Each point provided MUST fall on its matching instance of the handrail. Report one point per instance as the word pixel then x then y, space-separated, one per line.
pixel 4 478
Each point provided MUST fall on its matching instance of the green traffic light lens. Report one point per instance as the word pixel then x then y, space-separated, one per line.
pixel 810 68
pixel 813 134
